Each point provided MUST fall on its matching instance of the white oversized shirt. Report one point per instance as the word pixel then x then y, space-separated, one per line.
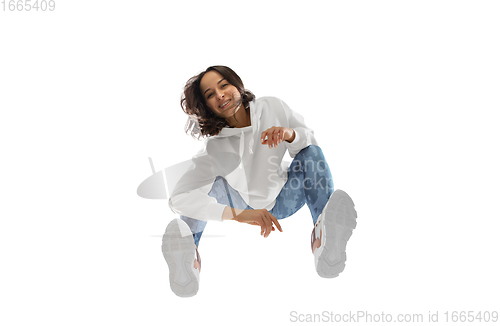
pixel 256 171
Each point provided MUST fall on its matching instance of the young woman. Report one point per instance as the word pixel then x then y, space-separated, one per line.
pixel 240 175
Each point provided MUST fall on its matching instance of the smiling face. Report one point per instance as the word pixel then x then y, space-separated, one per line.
pixel 220 96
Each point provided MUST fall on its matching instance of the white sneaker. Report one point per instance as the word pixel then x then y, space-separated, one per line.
pixel 180 253
pixel 334 228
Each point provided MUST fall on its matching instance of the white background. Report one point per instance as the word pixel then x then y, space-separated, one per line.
pixel 403 97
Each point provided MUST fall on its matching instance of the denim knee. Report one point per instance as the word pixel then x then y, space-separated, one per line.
pixel 312 158
pixel 311 151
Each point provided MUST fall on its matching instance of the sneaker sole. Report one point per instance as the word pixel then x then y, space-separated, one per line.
pixel 179 253
pixel 340 221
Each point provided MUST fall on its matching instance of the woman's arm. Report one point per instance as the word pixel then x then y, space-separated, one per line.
pixel 275 135
pixel 304 136
pixel 230 213
pixel 260 217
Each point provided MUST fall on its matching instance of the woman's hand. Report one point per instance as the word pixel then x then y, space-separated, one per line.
pixel 260 217
pixel 275 135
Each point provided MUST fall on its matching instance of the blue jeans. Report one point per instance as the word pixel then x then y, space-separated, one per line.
pixel 309 181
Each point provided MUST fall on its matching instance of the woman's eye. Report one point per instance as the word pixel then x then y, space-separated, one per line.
pixel 224 85
pixel 209 95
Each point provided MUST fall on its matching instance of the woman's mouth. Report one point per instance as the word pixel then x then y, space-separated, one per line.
pixel 225 104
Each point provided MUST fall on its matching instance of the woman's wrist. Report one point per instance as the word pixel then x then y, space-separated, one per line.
pixel 292 137
pixel 230 213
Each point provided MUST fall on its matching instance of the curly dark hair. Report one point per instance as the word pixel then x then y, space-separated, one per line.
pixel 202 122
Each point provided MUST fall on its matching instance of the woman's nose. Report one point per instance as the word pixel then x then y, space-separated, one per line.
pixel 220 95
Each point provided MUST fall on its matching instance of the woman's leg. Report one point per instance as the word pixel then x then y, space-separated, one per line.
pixel 309 181
pixel 224 194
pixel 196 226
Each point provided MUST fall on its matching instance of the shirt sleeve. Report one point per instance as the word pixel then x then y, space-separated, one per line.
pixel 189 184
pixel 304 136
pixel 197 204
